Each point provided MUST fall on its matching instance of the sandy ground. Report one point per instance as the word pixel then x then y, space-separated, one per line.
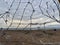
pixel 30 37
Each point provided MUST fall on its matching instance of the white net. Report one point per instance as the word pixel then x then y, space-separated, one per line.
pixel 28 14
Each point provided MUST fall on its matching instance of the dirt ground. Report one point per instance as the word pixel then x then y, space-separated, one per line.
pixel 36 37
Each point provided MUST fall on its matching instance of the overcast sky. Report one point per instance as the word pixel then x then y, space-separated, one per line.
pixel 37 15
